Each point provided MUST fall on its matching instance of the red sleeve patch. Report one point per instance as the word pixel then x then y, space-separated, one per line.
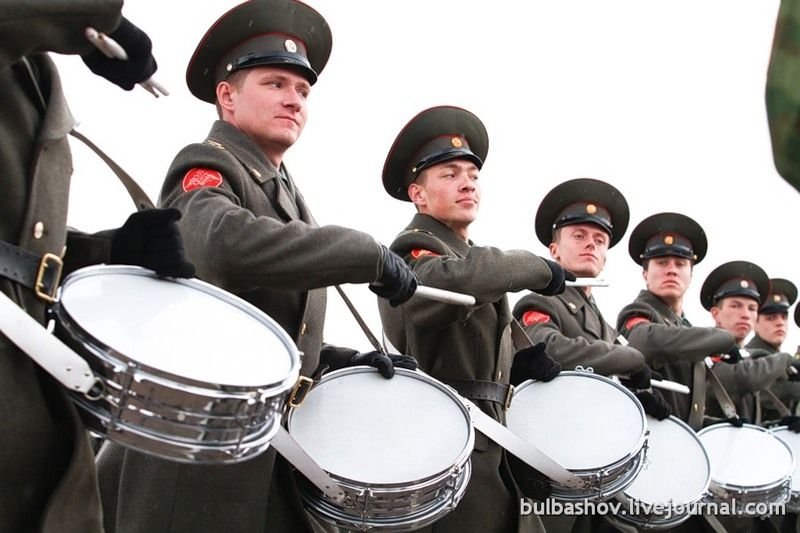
pixel 197 178
pixel 635 320
pixel 419 252
pixel 535 317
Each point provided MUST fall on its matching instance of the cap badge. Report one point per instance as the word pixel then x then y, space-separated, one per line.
pixel 290 45
pixel 591 209
pixel 668 240
pixel 776 298
pixel 744 284
pixel 456 142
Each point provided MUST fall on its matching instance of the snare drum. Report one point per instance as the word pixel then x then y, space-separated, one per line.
pixel 673 479
pixel 792 440
pixel 189 372
pixel 749 465
pixel 589 424
pixel 399 448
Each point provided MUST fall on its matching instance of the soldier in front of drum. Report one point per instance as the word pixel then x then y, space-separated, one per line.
pixel 733 293
pixel 435 164
pixel 668 246
pixel 249 230
pixel 579 221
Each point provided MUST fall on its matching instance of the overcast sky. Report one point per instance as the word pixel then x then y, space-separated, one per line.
pixel 665 100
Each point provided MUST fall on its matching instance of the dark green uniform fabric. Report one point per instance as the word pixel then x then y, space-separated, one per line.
pixel 254 236
pixel 787 391
pixel 467 343
pixel 576 333
pixel 47 475
pixel 673 348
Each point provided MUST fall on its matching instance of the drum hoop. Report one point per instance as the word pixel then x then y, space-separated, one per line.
pixel 462 457
pixel 640 442
pixel 74 328
pixel 751 488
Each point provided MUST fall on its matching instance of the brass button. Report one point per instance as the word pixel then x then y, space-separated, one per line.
pixel 38 230
pixel 695 407
pixel 303 328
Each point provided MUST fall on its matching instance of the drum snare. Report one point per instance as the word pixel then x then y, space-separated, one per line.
pixel 399 448
pixel 792 440
pixel 749 465
pixel 190 373
pixel 591 425
pixel 674 478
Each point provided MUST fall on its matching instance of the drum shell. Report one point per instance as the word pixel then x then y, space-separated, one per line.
pixel 604 481
pixel 776 491
pixel 400 506
pixel 168 415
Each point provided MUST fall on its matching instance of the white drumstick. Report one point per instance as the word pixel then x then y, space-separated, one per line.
pixel 113 50
pixel 441 295
pixel 669 385
pixel 587 282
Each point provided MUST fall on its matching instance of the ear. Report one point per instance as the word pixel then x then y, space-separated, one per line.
pixel 715 314
pixel 554 251
pixel 416 193
pixel 225 95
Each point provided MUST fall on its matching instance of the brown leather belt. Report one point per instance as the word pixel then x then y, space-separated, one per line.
pixel 477 389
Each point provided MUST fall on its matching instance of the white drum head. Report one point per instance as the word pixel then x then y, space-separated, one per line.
pixel 748 456
pixel 792 440
pixel 582 421
pixel 187 327
pixel 358 425
pixel 676 469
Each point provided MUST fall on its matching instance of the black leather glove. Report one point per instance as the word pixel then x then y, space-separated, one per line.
pixel 793 371
pixel 396 282
pixel 792 422
pixel 639 380
pixel 140 64
pixel 533 363
pixel 654 404
pixel 558 279
pixel 733 356
pixel 532 483
pixel 151 239
pixel 385 363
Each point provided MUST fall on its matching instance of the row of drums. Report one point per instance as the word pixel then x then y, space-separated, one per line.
pixel 191 373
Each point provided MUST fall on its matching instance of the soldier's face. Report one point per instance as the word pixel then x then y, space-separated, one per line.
pixel 268 104
pixel 668 277
pixel 581 249
pixel 737 315
pixel 450 193
pixel 772 327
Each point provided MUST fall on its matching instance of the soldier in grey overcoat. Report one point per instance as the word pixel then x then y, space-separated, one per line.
pixel 435 163
pixel 47 477
pixel 249 231
pixel 579 220
pixel 667 246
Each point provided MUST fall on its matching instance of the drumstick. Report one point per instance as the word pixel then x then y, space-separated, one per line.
pixel 587 282
pixel 112 49
pixel 441 295
pixel 673 386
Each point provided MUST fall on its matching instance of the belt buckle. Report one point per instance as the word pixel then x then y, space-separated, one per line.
pixel 509 397
pixel 299 392
pixel 39 287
